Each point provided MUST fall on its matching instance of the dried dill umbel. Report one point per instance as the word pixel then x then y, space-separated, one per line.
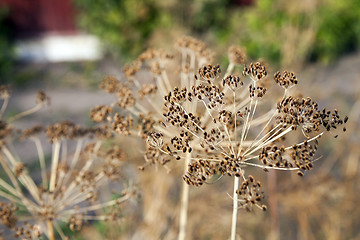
pixel 139 100
pixel 218 121
pixel 68 191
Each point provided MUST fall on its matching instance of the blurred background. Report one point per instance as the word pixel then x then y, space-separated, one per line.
pixel 67 46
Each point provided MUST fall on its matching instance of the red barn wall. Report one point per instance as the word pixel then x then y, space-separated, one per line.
pixel 30 18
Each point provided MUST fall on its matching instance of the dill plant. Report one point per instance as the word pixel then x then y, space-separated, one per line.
pixel 218 124
pixel 68 190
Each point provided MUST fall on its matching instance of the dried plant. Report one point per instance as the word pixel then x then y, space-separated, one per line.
pixel 141 97
pixel 68 192
pixel 233 134
pixel 331 209
pixel 218 124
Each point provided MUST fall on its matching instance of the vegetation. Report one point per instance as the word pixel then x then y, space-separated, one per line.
pixel 287 33
pixel 217 123
pixel 125 25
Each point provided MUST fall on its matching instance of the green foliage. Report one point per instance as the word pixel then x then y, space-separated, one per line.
pixel 123 25
pixel 109 230
pixel 339 30
pixel 211 16
pixel 283 31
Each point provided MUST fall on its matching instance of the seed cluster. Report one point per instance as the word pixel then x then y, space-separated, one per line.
pixel 197 47
pixel 7 214
pixel 181 144
pixel 286 80
pixel 76 222
pixel 154 54
pixel 28 231
pixel 304 112
pixel 237 55
pixel 147 90
pixel 256 71
pixel 5 130
pixel 250 194
pixel 42 98
pixel 211 95
pixel 100 113
pixel 213 137
pixel 297 156
pixel 177 96
pixel 4 92
pixel 146 123
pixel 121 124
pixel 70 130
pixel 65 129
pixel 258 91
pixel 122 91
pixel 109 84
pixel 125 96
pixel 131 69
pixel 209 73
pixel 233 82
pixel 154 156
pixel 155 140
pixel 199 171
pixel 32 131
pixel 176 115
pixel 113 166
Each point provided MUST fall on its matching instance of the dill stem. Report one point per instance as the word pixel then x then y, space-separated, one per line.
pixel 25 113
pixel 3 107
pixel 235 208
pixel 54 164
pixel 184 203
pixel 41 161
pixel 50 230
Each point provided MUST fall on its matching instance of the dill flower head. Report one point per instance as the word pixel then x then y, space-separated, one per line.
pixel 219 122
pixel 68 191
pixel 229 124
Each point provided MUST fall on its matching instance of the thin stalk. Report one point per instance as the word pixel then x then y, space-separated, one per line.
pixel 25 113
pixel 264 137
pixel 235 208
pixel 229 69
pixel 3 107
pixel 245 126
pixel 7 187
pixel 184 203
pixel 251 120
pixel 191 78
pixel 50 230
pixel 11 176
pixel 268 141
pixel 147 99
pixel 161 86
pixel 10 197
pixel 164 76
pixel 97 206
pixel 182 74
pixel 61 233
pixel 74 160
pixel 87 165
pixel 41 161
pixel 54 164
